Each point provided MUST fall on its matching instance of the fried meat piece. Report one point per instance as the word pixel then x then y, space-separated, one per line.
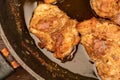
pixel 101 39
pixel 55 30
pixel 107 9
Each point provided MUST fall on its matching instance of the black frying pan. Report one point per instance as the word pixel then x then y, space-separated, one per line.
pixel 22 46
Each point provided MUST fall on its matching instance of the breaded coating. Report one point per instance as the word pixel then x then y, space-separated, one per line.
pixel 101 39
pixel 50 1
pixel 55 30
pixel 107 9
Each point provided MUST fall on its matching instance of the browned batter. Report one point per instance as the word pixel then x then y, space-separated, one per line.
pixel 107 9
pixel 101 39
pixel 55 30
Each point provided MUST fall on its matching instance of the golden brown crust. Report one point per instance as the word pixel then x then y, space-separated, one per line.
pixel 101 39
pixel 49 1
pixel 107 9
pixel 56 31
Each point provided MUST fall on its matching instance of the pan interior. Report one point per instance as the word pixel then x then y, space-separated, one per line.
pixel 80 64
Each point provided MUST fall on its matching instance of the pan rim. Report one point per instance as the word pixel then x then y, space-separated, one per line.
pixel 14 54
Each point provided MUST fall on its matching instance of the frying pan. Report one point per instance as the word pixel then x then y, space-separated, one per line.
pixel 14 19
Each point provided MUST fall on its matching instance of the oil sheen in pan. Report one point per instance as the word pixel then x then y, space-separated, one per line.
pixel 80 64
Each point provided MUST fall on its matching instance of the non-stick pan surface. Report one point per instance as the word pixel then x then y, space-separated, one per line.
pixel 14 19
